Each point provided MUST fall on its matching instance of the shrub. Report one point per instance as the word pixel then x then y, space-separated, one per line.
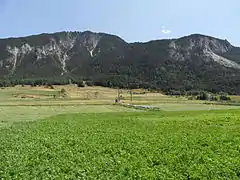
pixel 174 93
pixel 191 98
pixel 193 93
pixel 224 98
pixel 203 96
pixel 51 87
pixel 63 91
pixel 89 83
pixel 80 84
pixel 213 98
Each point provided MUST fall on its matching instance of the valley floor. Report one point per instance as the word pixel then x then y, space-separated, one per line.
pixel 85 136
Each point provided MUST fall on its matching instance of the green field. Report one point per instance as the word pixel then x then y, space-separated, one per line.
pixel 90 138
pixel 15 114
pixel 138 145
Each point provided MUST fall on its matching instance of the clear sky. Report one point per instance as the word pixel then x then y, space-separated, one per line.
pixel 133 20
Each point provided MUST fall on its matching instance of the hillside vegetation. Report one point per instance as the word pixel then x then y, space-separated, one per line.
pixel 194 62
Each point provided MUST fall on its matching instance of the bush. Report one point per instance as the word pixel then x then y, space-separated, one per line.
pixel 193 93
pixel 213 98
pixel 224 98
pixel 89 83
pixel 191 98
pixel 203 96
pixel 80 84
pixel 174 93
pixel 63 91
pixel 51 87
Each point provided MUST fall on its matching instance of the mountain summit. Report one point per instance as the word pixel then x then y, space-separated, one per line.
pixel 187 63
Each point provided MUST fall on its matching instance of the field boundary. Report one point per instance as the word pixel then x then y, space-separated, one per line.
pixel 141 107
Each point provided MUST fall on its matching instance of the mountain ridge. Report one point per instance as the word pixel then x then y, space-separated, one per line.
pixel 109 60
pixel 111 34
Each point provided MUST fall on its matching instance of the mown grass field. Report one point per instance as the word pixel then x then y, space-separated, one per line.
pixel 40 96
pixel 85 136
pixel 14 114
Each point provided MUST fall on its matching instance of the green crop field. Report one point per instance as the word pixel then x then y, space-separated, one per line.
pixel 84 136
pixel 117 145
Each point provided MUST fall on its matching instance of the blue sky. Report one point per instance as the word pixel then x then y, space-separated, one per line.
pixel 133 20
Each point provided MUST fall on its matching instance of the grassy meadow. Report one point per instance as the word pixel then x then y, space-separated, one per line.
pixel 84 135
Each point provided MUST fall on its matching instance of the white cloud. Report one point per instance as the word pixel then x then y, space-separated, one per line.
pixel 165 31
